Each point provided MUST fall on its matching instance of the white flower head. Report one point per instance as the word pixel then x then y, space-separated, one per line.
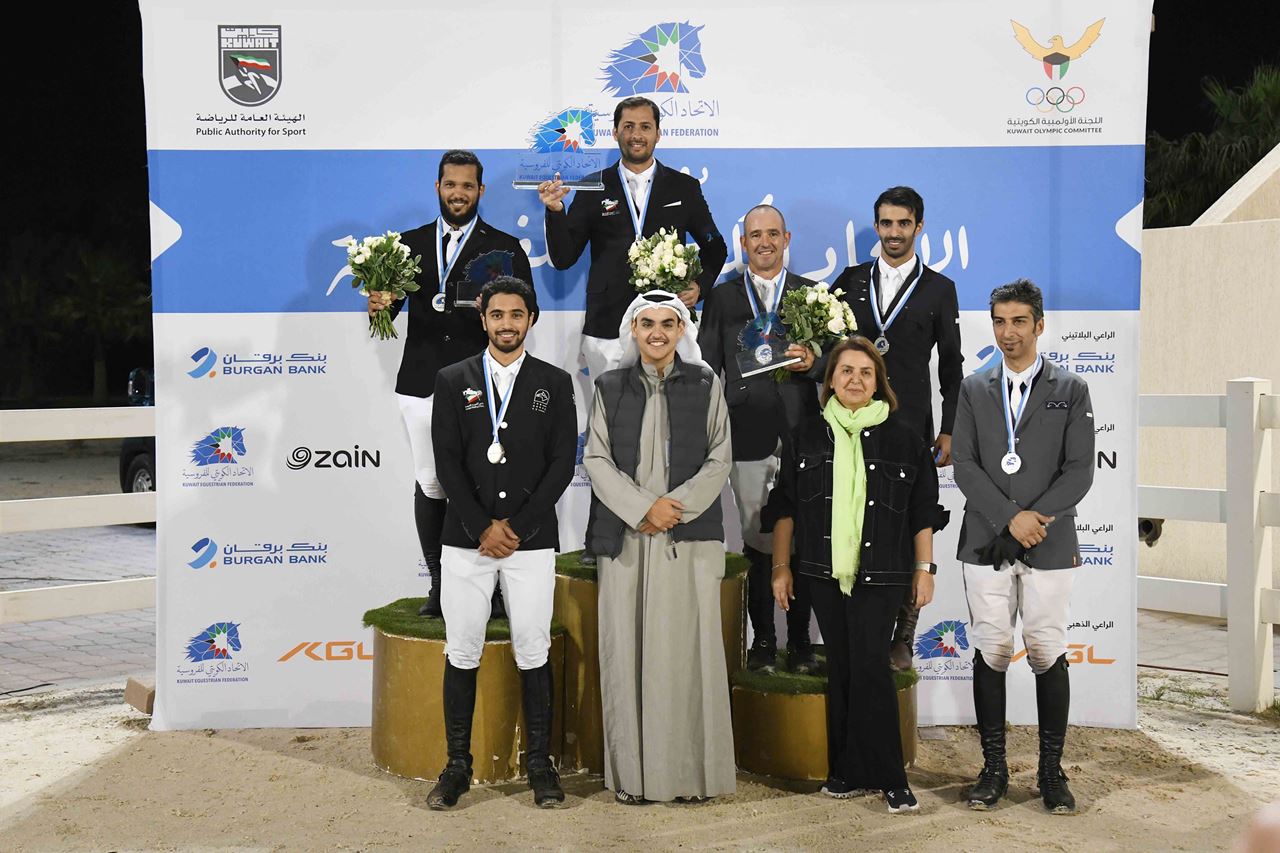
pixel 835 326
pixel 680 249
pixel 811 297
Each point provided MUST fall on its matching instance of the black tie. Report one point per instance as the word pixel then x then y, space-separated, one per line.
pixel 448 241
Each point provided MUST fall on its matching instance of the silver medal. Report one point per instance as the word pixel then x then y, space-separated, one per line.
pixel 1011 463
pixel 495 453
pixel 882 345
pixel 437 302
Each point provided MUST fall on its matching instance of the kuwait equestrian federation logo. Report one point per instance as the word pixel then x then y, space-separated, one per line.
pixel 659 60
pixel 249 63
pixel 568 130
pixel 1057 55
pixel 217 642
pixel 223 446
pixel 944 640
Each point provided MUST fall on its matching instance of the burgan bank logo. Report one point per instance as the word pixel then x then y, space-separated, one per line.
pixel 206 362
pixel 206 551
pixel 217 459
pixel 1056 57
pixel 211 656
pixel 661 59
pixel 249 63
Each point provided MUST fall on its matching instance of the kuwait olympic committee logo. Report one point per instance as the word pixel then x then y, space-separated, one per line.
pixel 944 640
pixel 1056 57
pixel 660 59
pixel 249 63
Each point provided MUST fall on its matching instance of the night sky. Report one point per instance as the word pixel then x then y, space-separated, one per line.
pixel 82 142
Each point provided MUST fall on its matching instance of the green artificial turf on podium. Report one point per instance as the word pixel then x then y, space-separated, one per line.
pixel 401 619
pixel 794 684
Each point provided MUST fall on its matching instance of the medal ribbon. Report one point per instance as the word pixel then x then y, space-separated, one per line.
pixel 496 417
pixel 881 324
pixel 752 296
pixel 443 271
pixel 1011 420
pixel 637 218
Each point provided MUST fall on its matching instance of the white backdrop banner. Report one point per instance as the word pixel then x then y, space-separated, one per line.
pixel 285 482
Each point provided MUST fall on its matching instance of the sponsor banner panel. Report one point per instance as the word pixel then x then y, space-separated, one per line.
pixel 319 78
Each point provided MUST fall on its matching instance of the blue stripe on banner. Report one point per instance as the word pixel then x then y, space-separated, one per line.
pixel 258 226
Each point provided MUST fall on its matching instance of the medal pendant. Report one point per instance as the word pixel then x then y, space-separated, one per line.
pixel 764 354
pixel 1011 463
pixel 882 345
pixel 495 453
pixel 437 302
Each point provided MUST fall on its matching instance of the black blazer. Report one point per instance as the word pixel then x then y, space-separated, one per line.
pixel 540 439
pixel 761 410
pixel 902 499
pixel 601 218
pixel 930 318
pixel 436 339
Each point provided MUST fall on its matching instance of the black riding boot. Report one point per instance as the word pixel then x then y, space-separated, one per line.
pixel 459 707
pixel 989 704
pixel 428 515
pixel 536 693
pixel 1053 701
pixel 902 648
pixel 763 654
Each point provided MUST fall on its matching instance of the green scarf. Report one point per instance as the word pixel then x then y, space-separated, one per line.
pixel 849 502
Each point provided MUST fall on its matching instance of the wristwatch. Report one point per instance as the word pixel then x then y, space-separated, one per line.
pixel 931 568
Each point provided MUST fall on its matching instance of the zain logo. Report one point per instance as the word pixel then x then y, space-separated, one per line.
pixel 303 457
pixel 216 642
pixel 658 60
pixel 204 359
pixel 205 550
pixel 569 130
pixel 223 446
pixel 944 640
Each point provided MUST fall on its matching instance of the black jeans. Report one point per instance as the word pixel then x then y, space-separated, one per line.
pixel 864 746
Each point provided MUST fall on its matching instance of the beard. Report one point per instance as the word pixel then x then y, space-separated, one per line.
pixel 515 344
pixel 455 221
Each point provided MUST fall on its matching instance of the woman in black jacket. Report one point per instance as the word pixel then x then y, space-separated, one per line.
pixel 857 495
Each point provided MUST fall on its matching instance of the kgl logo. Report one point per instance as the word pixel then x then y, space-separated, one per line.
pixel 337 650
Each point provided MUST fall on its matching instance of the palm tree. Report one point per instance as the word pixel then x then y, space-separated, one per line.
pixel 28 321
pixel 108 302
pixel 1186 176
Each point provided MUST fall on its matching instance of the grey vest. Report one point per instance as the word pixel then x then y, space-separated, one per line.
pixel 688 396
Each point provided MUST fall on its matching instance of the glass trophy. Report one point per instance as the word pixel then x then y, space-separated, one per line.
pixel 579 170
pixel 763 344
pixel 479 271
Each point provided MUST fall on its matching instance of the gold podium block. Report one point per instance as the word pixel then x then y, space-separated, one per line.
pixel 408 705
pixel 577 608
pixel 780 729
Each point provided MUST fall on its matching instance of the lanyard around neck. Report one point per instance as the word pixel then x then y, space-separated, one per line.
pixel 637 217
pixel 882 324
pixel 441 269
pixel 1012 420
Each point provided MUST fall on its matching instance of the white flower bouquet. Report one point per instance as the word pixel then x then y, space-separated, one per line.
pixel 816 316
pixel 662 262
pixel 382 263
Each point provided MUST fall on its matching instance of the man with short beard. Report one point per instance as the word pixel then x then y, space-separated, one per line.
pixel 441 333
pixel 504 431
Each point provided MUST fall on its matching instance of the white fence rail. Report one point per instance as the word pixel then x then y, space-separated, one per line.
pixel 1249 509
pixel 21 516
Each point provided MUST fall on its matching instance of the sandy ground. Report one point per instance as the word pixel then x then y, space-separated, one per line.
pixel 82 773
pixel 55 469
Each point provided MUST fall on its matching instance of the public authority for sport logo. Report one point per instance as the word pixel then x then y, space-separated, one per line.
pixel 249 63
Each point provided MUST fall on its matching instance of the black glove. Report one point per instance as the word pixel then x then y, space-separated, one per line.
pixel 1003 549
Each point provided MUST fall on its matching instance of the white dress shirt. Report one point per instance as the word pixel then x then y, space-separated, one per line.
pixel 892 279
pixel 639 183
pixel 766 289
pixel 1020 382
pixel 505 377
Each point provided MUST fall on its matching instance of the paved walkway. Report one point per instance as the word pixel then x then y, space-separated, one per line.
pixel 112 646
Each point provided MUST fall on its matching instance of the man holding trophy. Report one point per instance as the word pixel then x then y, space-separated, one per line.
pixel 742 336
